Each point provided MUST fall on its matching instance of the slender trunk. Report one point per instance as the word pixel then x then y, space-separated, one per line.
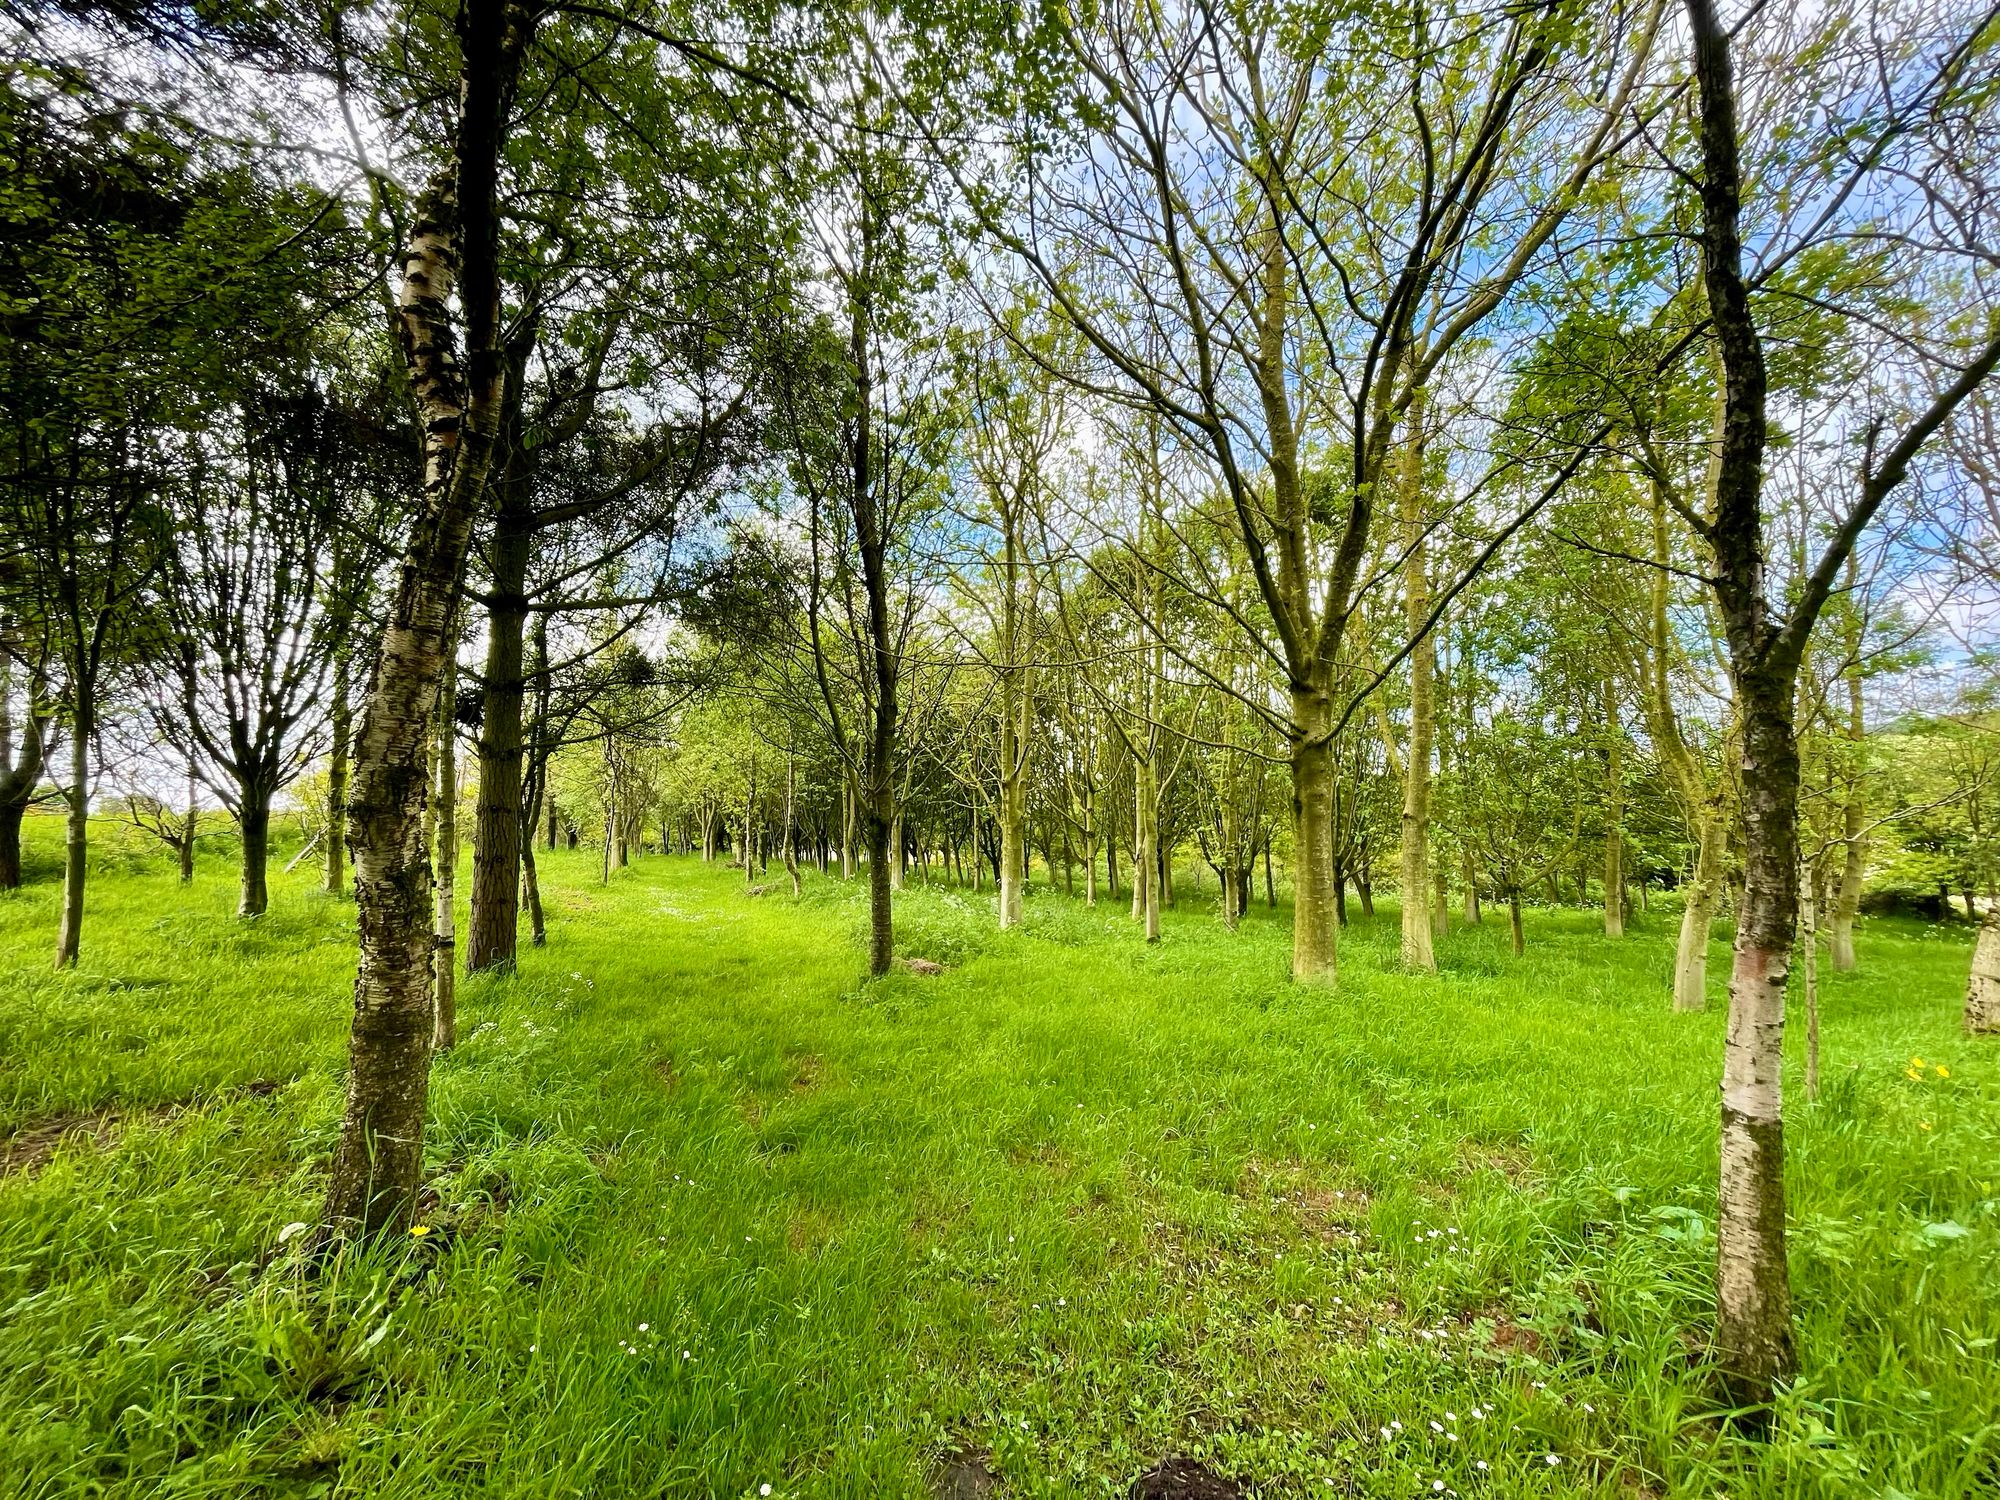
pixel 791 838
pixel 11 814
pixel 1847 903
pixel 1013 834
pixel 1469 874
pixel 255 822
pixel 1698 915
pixel 896 850
pixel 878 830
pixel 191 824
pixel 340 727
pixel 1753 1303
pixel 1315 933
pixel 76 847
pixel 1982 991
pixel 444 958
pixel 494 923
pixel 1146 861
pixel 531 887
pixel 1614 817
pixel 378 1163
pixel 847 827
pixel 1809 977
pixel 1514 920
pixel 1417 950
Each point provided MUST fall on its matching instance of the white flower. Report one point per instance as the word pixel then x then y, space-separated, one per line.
pixel 642 1328
pixel 1437 1427
pixel 763 1489
pixel 1437 1484
pixel 1551 1460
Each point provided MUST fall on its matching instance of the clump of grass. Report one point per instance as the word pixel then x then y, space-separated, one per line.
pixel 706 1213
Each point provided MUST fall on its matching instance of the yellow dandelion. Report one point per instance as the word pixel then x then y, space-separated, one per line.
pixel 1912 1073
pixel 418 1231
pixel 1923 1124
pixel 1943 1071
pixel 1916 1062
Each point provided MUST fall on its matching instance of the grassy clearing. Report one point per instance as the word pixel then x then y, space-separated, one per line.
pixel 711 1215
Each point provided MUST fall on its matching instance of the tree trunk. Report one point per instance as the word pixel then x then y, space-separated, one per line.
pixel 1417 950
pixel 255 822
pixel 11 814
pixel 444 959
pixel 1698 916
pixel 1809 979
pixel 1847 903
pixel 1753 1303
pixel 1982 991
pixel 531 886
pixel 340 728
pixel 76 845
pixel 494 923
pixel 878 829
pixel 1614 817
pixel 1013 832
pixel 1315 933
pixel 378 1164
pixel 1514 920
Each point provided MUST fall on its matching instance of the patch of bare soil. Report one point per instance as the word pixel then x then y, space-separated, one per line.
pixel 927 967
pixel 966 1476
pixel 30 1148
pixel 1183 1479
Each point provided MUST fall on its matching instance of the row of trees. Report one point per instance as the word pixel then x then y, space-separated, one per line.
pixel 1528 436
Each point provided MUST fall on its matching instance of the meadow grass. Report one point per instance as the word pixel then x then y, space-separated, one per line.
pixel 707 1213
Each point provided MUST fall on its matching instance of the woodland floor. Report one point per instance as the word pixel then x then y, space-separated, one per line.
pixel 708 1215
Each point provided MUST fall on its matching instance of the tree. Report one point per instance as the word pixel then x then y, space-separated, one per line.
pixel 1248 173
pixel 1766 636
pixel 451 250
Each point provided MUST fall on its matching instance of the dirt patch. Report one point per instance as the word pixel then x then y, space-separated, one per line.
pixel 1510 1337
pixel 667 1073
pixel 30 1148
pixel 927 967
pixel 808 1073
pixel 1511 1161
pixel 808 1230
pixel 966 1476
pixel 1183 1479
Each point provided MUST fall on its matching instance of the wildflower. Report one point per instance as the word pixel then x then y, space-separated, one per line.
pixel 763 1489
pixel 642 1328
pixel 1916 1062
pixel 1942 1071
pixel 1437 1427
pixel 1481 1465
pixel 418 1231
pixel 1923 1124
pixel 1913 1075
pixel 1436 1485
pixel 1551 1459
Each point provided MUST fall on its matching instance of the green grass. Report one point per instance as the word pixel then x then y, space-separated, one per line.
pixel 708 1213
